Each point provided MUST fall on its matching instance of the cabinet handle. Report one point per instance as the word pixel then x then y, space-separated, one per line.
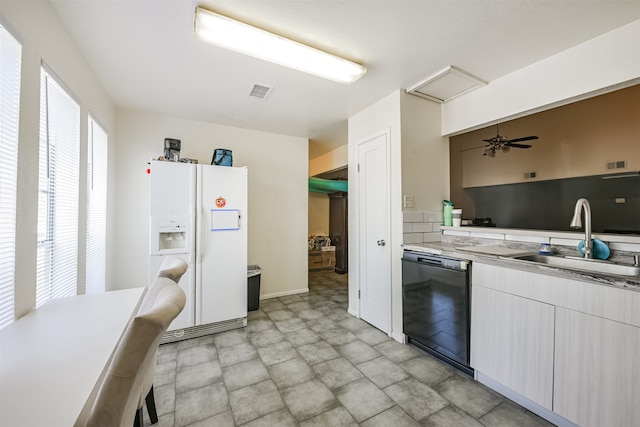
pixel 381 243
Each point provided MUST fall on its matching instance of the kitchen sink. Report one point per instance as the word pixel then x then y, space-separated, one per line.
pixel 582 264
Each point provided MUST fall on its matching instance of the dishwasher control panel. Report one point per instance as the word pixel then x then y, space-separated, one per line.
pixel 437 260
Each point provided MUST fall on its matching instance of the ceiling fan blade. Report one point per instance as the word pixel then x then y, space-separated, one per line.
pixel 473 148
pixel 525 138
pixel 510 144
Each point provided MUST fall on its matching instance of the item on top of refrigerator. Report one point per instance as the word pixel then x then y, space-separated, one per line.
pixel 186 160
pixel 222 157
pixel 172 149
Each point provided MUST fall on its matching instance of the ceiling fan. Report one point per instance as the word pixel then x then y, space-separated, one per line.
pixel 503 143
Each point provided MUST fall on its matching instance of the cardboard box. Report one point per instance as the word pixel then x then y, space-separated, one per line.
pixel 328 252
pixel 315 260
pixel 328 258
pixel 323 259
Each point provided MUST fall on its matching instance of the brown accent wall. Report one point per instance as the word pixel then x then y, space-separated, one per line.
pixel 575 140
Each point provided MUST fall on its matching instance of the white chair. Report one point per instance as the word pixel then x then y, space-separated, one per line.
pixel 171 271
pixel 119 394
pixel 172 267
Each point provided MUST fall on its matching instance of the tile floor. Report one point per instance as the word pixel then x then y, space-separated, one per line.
pixel 303 360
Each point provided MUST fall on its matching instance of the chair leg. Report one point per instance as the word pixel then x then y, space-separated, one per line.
pixel 151 406
pixel 138 421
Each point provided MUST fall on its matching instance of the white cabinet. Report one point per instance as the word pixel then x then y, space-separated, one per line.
pixel 570 348
pixel 512 342
pixel 597 370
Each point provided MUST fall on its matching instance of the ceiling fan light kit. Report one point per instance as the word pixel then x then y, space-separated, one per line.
pixel 501 142
pixel 237 36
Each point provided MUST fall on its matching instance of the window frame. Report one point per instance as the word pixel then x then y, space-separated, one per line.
pixel 9 147
pixel 59 162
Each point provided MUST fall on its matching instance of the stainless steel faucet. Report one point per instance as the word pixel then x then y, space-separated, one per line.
pixel 576 222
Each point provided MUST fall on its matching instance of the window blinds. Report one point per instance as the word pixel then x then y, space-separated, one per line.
pixel 57 191
pixel 10 58
pixel 96 208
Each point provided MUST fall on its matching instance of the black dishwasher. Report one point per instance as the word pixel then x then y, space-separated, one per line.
pixel 436 306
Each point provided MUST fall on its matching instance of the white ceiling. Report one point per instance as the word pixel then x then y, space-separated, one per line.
pixel 147 57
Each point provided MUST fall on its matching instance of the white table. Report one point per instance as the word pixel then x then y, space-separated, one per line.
pixel 52 358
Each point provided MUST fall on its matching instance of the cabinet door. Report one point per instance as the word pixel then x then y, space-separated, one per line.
pixel 597 373
pixel 512 342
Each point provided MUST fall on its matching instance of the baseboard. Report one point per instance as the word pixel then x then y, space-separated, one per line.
pixel 284 294
pixel 400 337
pixel 353 312
pixel 532 406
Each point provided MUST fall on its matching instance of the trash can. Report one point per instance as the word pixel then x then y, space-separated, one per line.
pixel 253 287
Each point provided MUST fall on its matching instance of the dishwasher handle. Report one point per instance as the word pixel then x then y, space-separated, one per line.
pixel 429 261
pixel 436 261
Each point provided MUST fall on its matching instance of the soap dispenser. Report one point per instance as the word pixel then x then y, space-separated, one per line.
pixel 545 249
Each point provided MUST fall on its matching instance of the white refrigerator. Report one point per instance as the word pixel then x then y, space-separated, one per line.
pixel 199 213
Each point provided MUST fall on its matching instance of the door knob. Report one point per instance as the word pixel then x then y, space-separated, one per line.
pixel 381 243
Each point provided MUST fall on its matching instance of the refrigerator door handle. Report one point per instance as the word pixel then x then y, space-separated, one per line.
pixel 199 218
pixel 197 245
pixel 199 229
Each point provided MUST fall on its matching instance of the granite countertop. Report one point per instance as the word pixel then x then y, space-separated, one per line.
pixel 499 259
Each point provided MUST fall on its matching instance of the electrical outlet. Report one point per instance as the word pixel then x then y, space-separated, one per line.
pixel 407 200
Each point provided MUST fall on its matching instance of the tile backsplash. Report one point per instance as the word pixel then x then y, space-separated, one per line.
pixel 421 227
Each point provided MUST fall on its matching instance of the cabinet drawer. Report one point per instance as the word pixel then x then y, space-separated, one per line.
pixel 619 304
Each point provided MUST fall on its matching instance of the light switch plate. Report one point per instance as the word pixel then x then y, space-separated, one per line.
pixel 407 200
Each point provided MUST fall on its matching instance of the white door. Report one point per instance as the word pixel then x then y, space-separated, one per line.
pixel 373 225
pixel 221 244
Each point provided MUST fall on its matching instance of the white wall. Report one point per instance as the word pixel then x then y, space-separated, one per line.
pixel 425 154
pixel 44 39
pixel 278 195
pixel 608 60
pixel 381 116
pixel 425 169
pixel 419 159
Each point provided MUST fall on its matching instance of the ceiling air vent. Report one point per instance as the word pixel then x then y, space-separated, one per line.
pixel 261 91
pixel 446 85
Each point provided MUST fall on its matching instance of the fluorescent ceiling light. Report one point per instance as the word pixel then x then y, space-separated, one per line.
pixel 237 36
